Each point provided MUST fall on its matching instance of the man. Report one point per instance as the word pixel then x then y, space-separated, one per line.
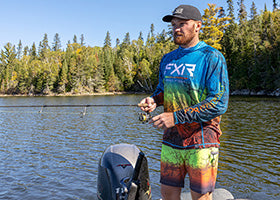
pixel 193 87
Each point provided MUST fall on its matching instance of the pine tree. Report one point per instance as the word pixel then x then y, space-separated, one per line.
pixel 19 50
pixel 82 40
pixel 75 39
pixel 44 47
pixel 242 13
pixel 33 52
pixel 275 5
pixel 230 11
pixel 56 43
pixel 25 50
pixel 126 40
pixel 107 63
pixel 7 66
pixel 107 42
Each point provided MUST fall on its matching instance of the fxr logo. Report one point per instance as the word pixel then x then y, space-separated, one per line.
pixel 181 68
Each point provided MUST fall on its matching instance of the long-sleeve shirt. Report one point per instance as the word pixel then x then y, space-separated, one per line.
pixel 193 84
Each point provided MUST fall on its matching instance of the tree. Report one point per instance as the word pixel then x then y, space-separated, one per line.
pixel 56 43
pixel 82 40
pixel 242 13
pixel 275 5
pixel 7 68
pixel 33 52
pixel 126 40
pixel 75 39
pixel 107 42
pixel 19 50
pixel 44 47
pixel 230 11
pixel 213 27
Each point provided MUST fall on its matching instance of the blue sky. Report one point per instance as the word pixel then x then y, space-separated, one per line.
pixel 29 20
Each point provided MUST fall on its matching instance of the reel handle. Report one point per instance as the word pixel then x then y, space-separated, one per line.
pixel 142 104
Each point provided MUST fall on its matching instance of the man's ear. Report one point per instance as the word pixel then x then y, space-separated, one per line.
pixel 197 26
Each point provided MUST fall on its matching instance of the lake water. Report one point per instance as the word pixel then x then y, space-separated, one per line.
pixel 54 154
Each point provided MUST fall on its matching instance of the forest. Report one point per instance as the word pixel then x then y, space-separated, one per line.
pixel 250 43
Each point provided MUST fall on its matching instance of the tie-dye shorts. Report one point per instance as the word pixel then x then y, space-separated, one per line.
pixel 200 164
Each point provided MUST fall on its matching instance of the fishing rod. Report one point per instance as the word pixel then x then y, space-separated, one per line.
pixel 143 117
pixel 72 105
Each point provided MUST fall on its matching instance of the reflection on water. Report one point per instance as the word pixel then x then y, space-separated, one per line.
pixel 55 153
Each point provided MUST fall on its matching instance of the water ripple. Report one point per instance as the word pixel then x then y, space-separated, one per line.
pixel 56 153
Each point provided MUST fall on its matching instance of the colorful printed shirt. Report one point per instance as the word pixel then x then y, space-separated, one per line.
pixel 193 83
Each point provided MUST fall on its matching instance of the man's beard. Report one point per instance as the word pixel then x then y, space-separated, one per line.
pixel 181 39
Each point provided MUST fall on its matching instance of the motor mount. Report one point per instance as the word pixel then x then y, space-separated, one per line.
pixel 123 174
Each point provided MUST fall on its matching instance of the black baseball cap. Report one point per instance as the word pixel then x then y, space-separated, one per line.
pixel 184 12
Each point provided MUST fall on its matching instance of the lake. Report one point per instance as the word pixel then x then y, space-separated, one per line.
pixel 54 154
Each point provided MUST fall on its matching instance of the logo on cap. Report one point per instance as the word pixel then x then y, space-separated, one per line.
pixel 178 11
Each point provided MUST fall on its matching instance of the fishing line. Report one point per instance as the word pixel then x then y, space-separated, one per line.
pixel 82 114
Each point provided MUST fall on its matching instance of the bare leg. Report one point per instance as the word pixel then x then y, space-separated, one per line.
pixel 170 192
pixel 197 196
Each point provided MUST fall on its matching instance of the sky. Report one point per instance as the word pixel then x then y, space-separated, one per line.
pixel 29 20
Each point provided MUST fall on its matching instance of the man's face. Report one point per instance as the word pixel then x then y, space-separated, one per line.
pixel 184 31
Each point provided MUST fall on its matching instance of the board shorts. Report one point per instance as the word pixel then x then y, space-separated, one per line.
pixel 200 164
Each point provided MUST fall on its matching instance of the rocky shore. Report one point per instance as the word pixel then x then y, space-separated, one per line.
pixel 247 92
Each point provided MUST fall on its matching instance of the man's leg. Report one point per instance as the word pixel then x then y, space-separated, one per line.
pixel 172 173
pixel 197 196
pixel 202 170
pixel 170 192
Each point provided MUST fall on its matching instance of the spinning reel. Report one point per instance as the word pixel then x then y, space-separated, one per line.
pixel 145 117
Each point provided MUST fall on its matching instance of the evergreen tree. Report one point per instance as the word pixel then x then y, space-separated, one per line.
pixel 126 40
pixel 33 52
pixel 242 13
pixel 230 11
pixel 44 47
pixel 56 43
pixel 25 50
pixel 107 42
pixel 275 5
pixel 19 50
pixel 75 39
pixel 7 67
pixel 82 40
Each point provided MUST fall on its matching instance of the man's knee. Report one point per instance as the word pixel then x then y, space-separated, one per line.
pixel 170 192
pixel 197 196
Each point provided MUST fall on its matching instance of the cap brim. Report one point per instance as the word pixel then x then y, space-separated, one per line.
pixel 168 18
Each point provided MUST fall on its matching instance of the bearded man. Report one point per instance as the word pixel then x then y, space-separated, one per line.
pixel 193 88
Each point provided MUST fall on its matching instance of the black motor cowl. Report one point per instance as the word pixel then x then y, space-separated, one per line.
pixel 123 174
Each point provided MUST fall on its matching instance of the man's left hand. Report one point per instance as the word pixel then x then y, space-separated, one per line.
pixel 163 121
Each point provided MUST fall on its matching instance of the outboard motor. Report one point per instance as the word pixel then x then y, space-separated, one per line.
pixel 123 174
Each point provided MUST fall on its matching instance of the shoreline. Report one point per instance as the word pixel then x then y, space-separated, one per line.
pixel 70 94
pixel 243 92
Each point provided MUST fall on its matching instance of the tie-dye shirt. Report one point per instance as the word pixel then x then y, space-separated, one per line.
pixel 193 83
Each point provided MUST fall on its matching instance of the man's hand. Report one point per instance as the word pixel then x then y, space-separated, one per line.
pixel 151 105
pixel 163 121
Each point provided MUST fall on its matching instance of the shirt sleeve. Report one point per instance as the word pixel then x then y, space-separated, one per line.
pixel 217 90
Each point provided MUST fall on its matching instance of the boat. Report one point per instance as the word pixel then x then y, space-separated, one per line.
pixel 123 175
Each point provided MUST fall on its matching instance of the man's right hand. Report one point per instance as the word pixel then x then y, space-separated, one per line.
pixel 148 104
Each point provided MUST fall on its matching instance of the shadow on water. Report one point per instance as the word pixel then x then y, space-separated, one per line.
pixel 55 153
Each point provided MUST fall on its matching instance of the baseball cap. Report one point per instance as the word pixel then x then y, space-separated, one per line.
pixel 184 12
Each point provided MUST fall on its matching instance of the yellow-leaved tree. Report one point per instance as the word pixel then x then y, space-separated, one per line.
pixel 214 23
